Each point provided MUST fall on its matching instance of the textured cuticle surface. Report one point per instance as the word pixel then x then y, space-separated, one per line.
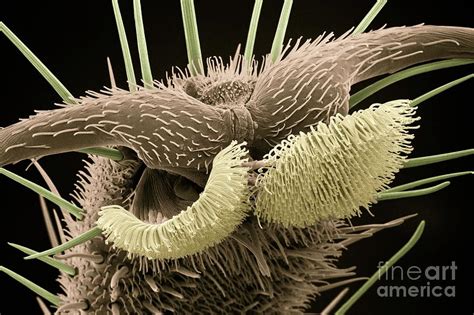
pixel 185 221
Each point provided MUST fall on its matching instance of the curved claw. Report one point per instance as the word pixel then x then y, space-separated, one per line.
pixel 165 127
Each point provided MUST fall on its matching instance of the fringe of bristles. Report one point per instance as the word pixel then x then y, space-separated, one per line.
pixel 336 168
pixel 221 207
pixel 268 270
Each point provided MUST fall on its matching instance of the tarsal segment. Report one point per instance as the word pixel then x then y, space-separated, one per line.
pixel 166 128
pixel 313 81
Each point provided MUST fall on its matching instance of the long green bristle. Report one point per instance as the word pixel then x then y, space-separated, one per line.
pixel 112 154
pixel 277 45
pixel 248 54
pixel 142 47
pixel 42 69
pixel 431 159
pixel 370 16
pixel 440 89
pixel 54 299
pixel 50 261
pixel 71 208
pixel 382 270
pixel 82 238
pixel 52 188
pixel 191 35
pixel 377 86
pixel 132 83
pixel 411 193
pixel 427 181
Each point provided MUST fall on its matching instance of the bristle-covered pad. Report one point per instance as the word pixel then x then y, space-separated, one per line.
pixel 336 168
pixel 221 207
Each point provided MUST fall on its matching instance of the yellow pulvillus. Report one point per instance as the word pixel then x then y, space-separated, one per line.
pixel 221 207
pixel 336 168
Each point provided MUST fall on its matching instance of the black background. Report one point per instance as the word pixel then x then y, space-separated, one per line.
pixel 74 38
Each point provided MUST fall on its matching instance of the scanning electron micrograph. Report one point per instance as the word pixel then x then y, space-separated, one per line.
pixel 229 185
